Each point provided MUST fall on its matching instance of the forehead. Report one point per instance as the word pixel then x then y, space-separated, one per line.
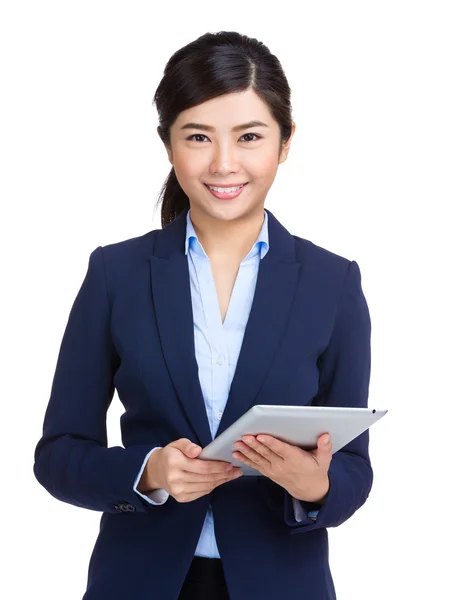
pixel 228 110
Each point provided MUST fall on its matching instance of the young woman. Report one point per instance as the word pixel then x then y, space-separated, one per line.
pixel 220 309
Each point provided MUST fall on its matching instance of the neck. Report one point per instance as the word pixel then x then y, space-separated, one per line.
pixel 227 239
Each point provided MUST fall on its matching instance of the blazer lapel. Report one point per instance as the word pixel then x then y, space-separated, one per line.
pixel 268 319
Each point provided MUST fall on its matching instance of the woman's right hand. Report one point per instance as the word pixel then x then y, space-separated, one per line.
pixel 176 469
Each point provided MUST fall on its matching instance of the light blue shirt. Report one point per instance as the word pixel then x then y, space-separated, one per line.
pixel 217 347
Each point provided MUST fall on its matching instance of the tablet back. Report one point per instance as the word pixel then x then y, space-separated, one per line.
pixel 297 425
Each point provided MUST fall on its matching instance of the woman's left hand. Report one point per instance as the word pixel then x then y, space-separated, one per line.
pixel 304 474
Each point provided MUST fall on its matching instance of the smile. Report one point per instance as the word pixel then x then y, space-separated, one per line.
pixel 226 193
pixel 225 189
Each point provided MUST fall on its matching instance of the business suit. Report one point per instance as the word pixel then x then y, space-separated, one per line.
pixel 217 347
pixel 130 328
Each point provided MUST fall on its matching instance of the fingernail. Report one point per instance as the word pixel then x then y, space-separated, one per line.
pixel 229 467
pixel 326 439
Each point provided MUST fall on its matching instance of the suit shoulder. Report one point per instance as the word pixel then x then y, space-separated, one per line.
pixel 135 247
pixel 327 269
pixel 309 252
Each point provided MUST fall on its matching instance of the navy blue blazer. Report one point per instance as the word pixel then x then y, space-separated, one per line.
pixel 307 341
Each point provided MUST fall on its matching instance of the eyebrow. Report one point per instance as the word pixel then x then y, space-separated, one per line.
pixel 236 128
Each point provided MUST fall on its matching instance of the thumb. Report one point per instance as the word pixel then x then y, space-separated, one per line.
pixel 324 443
pixel 324 447
pixel 190 450
pixel 194 451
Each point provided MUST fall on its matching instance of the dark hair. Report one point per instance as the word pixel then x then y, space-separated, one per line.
pixel 212 65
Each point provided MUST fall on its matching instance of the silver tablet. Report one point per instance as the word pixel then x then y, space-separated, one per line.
pixel 298 425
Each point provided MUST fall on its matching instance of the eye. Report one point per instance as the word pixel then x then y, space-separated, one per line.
pixel 258 137
pixel 196 135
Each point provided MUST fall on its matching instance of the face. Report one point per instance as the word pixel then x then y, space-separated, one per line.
pixel 223 155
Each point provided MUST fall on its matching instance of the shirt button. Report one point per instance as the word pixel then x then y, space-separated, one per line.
pixel 220 360
pixel 219 415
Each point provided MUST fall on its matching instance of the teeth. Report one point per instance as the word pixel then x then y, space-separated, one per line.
pixel 222 190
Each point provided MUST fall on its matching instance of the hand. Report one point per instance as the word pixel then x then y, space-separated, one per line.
pixel 304 474
pixel 176 469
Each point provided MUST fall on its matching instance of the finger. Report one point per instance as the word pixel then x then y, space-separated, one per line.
pixel 323 451
pixel 280 448
pixel 202 465
pixel 190 477
pixel 325 443
pixel 250 454
pixel 264 468
pixel 203 489
pixel 257 455
pixel 186 492
pixel 258 447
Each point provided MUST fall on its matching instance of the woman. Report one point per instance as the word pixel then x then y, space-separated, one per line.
pixel 222 294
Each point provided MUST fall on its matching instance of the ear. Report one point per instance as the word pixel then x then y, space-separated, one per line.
pixel 286 146
pixel 169 154
pixel 167 148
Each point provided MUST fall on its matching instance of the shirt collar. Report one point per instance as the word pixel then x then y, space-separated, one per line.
pixel 260 245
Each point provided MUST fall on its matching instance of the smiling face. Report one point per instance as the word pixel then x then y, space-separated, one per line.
pixel 226 154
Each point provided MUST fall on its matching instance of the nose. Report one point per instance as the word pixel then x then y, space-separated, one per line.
pixel 224 159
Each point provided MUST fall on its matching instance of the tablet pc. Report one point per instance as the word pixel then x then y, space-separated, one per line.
pixel 298 425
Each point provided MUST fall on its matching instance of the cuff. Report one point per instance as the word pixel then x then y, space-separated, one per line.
pixel 158 496
pixel 301 513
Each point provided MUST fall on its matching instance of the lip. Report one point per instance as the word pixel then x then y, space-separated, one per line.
pixel 226 195
pixel 228 185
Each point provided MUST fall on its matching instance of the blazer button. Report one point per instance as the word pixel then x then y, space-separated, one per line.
pixel 124 507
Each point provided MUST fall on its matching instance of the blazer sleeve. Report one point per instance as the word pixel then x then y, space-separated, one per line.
pixel 344 381
pixel 72 460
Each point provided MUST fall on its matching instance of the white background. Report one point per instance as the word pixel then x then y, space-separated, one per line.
pixel 367 178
